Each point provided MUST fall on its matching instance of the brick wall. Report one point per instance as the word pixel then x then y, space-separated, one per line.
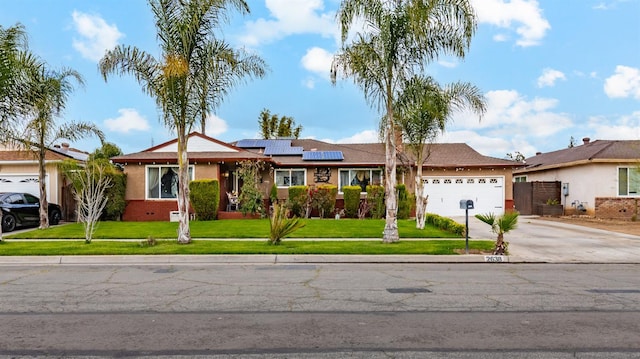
pixel 141 210
pixel 615 207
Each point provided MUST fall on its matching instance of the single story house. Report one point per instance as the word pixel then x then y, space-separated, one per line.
pixel 19 173
pixel 600 178
pixel 454 171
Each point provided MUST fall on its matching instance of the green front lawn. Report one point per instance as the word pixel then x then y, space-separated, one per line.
pixel 165 233
pixel 432 247
pixel 241 228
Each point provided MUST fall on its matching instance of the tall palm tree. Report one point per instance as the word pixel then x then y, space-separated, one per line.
pixel 423 109
pixel 45 100
pixel 189 60
pixel 231 67
pixel 400 38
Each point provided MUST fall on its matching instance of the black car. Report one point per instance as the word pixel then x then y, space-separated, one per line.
pixel 23 209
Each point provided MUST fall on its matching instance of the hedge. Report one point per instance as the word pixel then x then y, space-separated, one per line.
pixel 204 196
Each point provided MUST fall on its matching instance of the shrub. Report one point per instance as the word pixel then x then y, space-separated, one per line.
pixel 323 199
pixel 351 200
pixel 273 195
pixel 251 197
pixel 115 205
pixel 204 196
pixel 446 224
pixel 375 199
pixel 280 225
pixel 406 202
pixel 298 198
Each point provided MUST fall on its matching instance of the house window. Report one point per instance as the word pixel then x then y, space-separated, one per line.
pixel 162 181
pixel 520 179
pixel 290 177
pixel 628 181
pixel 359 177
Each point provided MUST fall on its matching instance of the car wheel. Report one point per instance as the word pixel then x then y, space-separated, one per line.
pixel 8 222
pixel 54 218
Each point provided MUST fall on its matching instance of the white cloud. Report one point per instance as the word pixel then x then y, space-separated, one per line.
pixel 215 126
pixel 523 15
pixel 129 120
pixel 509 113
pixel 96 35
pixel 366 136
pixel 623 128
pixel 288 18
pixel 549 77
pixel 624 83
pixel 318 61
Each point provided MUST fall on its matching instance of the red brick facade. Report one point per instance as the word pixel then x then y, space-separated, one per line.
pixel 617 207
pixel 143 210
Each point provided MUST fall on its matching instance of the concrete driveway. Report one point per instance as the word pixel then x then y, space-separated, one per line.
pixel 537 240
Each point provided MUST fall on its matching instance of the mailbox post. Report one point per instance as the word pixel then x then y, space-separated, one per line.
pixel 466 204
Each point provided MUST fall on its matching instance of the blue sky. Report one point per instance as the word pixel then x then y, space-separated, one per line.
pixel 550 69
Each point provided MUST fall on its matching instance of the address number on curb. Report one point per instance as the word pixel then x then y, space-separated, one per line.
pixel 495 259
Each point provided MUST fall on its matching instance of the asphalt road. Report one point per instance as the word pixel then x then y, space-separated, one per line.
pixel 321 311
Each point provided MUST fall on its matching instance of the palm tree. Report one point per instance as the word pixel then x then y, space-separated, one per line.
pixel 423 109
pixel 191 58
pixel 401 37
pixel 15 59
pixel 45 100
pixel 231 67
pixel 500 225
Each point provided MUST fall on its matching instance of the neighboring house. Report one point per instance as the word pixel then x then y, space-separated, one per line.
pixel 600 178
pixel 453 172
pixel 19 173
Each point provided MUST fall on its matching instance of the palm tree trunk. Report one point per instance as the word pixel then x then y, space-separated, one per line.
pixel 500 247
pixel 390 233
pixel 421 201
pixel 44 216
pixel 184 233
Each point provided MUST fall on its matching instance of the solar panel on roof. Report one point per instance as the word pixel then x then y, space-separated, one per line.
pixel 263 143
pixel 283 151
pixel 322 156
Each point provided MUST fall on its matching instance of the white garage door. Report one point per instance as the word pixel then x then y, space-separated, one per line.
pixel 445 193
pixel 21 183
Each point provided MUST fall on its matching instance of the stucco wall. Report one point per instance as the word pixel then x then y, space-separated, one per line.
pixel 585 183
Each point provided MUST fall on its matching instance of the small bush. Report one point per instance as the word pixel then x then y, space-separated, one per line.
pixel 375 198
pixel 323 199
pixel 351 200
pixel 149 242
pixel 406 202
pixel 280 225
pixel 204 196
pixel 298 198
pixel 446 224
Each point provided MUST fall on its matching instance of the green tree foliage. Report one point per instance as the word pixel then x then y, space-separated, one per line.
pixel 500 225
pixel 205 197
pixel 351 195
pixel 250 199
pixel 375 197
pixel 193 74
pixel 399 40
pixel 273 126
pixel 115 207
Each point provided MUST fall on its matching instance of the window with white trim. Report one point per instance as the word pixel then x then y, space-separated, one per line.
pixel 162 181
pixel 628 181
pixel 359 177
pixel 290 177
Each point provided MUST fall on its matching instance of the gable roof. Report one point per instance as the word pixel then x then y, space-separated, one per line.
pixel 373 155
pixel 201 148
pixel 590 152
pixel 51 155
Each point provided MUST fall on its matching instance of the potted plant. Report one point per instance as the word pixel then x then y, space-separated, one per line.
pixel 551 208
